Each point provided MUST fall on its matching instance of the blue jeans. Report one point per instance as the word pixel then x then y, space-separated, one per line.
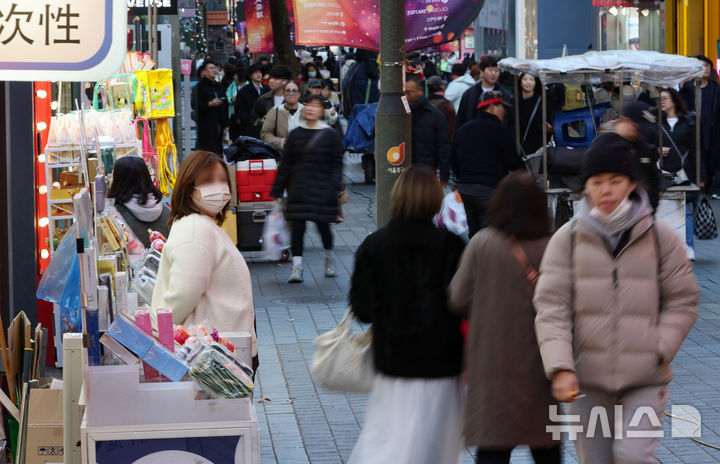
pixel 689 226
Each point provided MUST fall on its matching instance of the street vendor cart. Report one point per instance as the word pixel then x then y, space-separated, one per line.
pixel 619 67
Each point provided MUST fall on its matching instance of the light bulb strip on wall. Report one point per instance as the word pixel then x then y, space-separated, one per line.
pixel 42 113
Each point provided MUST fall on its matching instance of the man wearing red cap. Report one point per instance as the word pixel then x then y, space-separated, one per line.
pixel 483 152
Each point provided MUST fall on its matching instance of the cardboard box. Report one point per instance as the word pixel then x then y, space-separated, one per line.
pixel 233 184
pixel 45 427
pixel 230 225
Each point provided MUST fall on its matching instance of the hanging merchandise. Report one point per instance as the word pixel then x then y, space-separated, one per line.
pixel 142 95
pixel 115 93
pixel 166 153
pixel 162 102
pixel 149 153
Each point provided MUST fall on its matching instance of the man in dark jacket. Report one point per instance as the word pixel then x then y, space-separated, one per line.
pixel 212 109
pixel 430 142
pixel 436 96
pixel 483 152
pixel 709 119
pixel 638 125
pixel 279 76
pixel 245 102
pixel 489 74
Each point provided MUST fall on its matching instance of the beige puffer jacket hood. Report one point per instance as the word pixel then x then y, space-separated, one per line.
pixel 617 322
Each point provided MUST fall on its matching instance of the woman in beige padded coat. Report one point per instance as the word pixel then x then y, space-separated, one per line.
pixel 615 299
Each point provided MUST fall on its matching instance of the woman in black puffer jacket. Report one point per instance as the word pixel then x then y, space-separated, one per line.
pixel 679 134
pixel 311 172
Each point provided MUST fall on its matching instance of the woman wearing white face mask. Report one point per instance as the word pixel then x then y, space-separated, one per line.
pixel 202 274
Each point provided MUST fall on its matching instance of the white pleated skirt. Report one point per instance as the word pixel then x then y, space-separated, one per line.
pixel 411 421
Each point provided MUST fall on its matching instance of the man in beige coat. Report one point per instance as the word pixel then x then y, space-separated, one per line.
pixel 615 300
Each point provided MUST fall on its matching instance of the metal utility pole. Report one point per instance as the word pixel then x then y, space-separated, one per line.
pixel 392 120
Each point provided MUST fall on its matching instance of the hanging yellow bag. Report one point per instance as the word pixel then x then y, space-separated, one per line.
pixel 142 95
pixel 167 157
pixel 162 102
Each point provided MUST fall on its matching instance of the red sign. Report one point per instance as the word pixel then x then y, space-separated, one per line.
pixel 185 67
pixel 259 26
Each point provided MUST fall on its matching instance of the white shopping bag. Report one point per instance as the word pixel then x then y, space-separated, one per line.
pixel 276 236
pixel 452 214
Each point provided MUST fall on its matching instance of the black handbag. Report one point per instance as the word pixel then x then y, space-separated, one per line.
pixel 704 220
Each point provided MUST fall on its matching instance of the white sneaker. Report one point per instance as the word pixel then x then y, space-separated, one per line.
pixel 330 270
pixel 296 275
pixel 690 253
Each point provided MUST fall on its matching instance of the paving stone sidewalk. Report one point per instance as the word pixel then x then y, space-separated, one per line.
pixel 300 422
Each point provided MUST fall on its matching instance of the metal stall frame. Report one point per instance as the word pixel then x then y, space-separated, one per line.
pixel 658 69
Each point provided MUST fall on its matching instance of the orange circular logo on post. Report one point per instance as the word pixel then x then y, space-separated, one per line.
pixel 396 155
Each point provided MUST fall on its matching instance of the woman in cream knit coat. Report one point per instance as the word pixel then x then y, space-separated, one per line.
pixel 202 274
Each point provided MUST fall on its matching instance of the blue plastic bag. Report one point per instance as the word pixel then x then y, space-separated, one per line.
pixel 61 282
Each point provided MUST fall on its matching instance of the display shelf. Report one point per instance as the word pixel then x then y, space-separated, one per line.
pixel 61 165
pixel 58 202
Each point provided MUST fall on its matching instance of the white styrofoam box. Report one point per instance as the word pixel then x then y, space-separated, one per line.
pixel 243 345
pixel 115 397
pixel 267 165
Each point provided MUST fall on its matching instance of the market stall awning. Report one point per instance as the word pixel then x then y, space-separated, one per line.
pixel 654 68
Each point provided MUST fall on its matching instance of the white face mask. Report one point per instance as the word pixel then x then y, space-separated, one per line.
pixel 211 197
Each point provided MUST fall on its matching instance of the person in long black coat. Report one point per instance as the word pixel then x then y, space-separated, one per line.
pixel 311 172
pixel 211 109
pixel 709 118
pixel 430 139
pixel 245 102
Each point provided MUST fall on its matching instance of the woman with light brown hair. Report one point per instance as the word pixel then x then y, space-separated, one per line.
pixel 202 274
pixel 400 282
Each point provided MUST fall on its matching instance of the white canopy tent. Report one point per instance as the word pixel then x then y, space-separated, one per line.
pixel 654 68
pixel 617 66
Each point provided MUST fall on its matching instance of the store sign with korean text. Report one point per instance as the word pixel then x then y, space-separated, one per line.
pixel 164 7
pixel 68 40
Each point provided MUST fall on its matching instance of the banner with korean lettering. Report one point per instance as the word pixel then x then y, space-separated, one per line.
pixel 241 28
pixel 78 40
pixel 352 23
pixel 259 26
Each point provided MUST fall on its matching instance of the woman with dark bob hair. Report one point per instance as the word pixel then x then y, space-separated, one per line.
pixel 400 282
pixel 502 357
pixel 202 274
pixel 137 200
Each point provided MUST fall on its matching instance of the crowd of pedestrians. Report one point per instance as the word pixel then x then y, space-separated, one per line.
pixel 591 315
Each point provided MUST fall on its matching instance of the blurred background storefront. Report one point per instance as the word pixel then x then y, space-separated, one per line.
pixel 692 27
pixel 541 28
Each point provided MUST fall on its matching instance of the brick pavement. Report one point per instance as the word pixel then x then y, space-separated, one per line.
pixel 301 422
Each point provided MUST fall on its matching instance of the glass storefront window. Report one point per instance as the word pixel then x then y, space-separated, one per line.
pixel 495 28
pixel 631 28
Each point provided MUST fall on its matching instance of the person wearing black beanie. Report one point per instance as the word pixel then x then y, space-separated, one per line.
pixel 609 153
pixel 638 126
pixel 615 299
